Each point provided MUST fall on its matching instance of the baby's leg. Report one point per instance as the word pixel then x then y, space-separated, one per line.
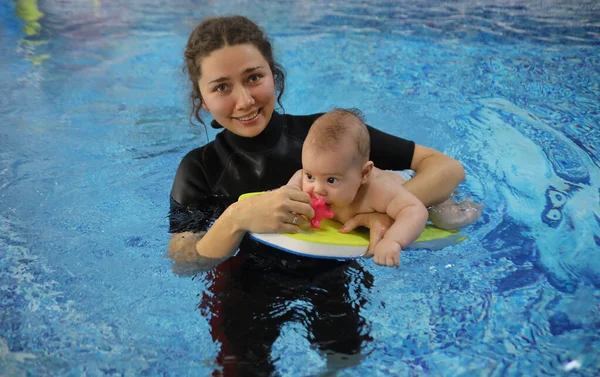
pixel 451 215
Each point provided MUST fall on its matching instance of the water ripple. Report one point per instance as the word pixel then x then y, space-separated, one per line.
pixel 554 21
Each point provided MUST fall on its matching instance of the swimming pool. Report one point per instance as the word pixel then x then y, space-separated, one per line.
pixel 94 120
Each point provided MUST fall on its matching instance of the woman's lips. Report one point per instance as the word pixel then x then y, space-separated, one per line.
pixel 249 119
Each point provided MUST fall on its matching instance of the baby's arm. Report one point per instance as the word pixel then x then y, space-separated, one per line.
pixel 410 217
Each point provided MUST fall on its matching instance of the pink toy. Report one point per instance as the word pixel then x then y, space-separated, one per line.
pixel 321 212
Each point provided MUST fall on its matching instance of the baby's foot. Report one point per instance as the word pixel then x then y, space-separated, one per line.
pixel 452 215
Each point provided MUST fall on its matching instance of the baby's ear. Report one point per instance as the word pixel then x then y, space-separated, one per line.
pixel 366 171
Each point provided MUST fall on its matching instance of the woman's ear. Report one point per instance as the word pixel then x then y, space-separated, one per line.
pixel 366 171
pixel 204 106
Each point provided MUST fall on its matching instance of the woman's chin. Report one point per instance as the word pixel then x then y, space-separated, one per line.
pixel 249 129
pixel 252 131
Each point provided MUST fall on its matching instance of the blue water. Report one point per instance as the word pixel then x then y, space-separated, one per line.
pixel 94 121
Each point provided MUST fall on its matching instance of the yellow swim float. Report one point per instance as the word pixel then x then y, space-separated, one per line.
pixel 327 242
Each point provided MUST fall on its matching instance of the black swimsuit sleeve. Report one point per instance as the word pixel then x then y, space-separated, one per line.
pixel 389 152
pixel 190 195
pixel 191 183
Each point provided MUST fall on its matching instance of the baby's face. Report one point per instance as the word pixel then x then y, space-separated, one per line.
pixel 334 176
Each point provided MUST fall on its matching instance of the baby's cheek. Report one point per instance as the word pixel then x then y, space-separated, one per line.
pixel 306 186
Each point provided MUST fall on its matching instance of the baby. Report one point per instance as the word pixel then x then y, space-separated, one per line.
pixel 336 168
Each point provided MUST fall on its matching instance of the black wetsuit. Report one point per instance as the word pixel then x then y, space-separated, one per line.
pixel 250 293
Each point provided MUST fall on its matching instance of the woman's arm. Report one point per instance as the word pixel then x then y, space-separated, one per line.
pixel 267 213
pixel 437 175
pixel 182 250
pixel 209 247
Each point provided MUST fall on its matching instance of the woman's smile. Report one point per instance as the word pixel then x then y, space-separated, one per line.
pixel 249 120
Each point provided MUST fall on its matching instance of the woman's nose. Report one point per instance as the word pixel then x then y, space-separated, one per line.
pixel 244 98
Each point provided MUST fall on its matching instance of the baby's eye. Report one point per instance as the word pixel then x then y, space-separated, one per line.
pixel 332 180
pixel 309 176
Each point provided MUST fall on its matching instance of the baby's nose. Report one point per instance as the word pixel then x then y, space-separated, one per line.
pixel 319 191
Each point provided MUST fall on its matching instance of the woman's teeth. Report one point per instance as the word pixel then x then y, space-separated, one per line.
pixel 249 117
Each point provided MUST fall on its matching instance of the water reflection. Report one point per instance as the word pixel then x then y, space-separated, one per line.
pixel 34 38
pixel 28 11
pixel 254 294
pixel 251 296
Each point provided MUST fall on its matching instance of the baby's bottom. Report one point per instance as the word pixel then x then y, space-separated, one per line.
pixel 451 215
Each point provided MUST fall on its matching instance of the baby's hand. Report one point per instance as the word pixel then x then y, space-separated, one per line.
pixel 387 253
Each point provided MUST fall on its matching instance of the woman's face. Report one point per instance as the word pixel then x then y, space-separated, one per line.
pixel 238 89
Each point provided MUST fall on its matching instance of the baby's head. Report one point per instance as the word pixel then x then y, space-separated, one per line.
pixel 335 156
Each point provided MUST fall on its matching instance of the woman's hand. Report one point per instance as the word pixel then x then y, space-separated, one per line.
pixel 452 215
pixel 279 211
pixel 378 224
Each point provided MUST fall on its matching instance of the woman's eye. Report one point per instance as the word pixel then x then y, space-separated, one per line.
pixel 221 88
pixel 254 78
pixel 331 180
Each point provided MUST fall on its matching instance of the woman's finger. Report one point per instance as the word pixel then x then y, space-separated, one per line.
pixel 298 195
pixel 297 201
pixel 300 208
pixel 289 228
pixel 303 222
pixel 298 220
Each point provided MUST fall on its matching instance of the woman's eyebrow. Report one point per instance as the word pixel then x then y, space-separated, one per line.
pixel 246 71
pixel 250 69
pixel 220 79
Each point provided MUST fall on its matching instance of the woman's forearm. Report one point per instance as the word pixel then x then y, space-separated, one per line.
pixel 224 236
pixel 210 247
pixel 437 176
pixel 272 212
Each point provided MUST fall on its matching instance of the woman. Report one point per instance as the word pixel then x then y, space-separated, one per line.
pixel 234 77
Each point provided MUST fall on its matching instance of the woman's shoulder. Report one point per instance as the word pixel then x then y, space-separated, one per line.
pixel 191 179
pixel 305 120
pixel 196 157
pixel 298 125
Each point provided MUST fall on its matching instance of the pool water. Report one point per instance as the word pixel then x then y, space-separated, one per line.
pixel 94 119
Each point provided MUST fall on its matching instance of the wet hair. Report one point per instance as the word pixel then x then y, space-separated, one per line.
pixel 218 32
pixel 329 132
